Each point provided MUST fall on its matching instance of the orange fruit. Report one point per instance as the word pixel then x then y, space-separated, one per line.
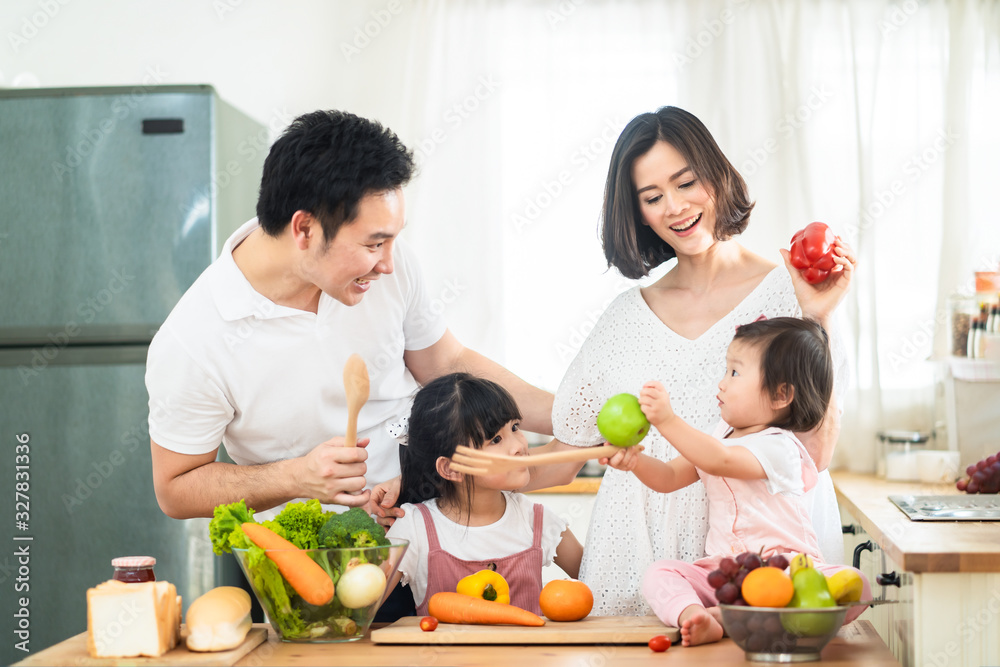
pixel 767 587
pixel 566 600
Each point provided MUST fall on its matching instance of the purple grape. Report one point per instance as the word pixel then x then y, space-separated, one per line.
pixel 757 642
pixel 752 562
pixel 991 485
pixel 737 632
pixel 716 579
pixel 740 602
pixel 738 580
pixel 971 470
pixel 742 557
pixel 962 484
pixel 772 625
pixel 973 487
pixel 991 459
pixel 779 561
pixel 729 567
pixel 728 593
pixel 980 477
pixel 755 623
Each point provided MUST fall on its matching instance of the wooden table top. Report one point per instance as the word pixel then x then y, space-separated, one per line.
pixel 856 645
pixel 918 546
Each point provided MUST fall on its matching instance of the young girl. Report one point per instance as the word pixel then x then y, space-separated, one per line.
pixel 459 524
pixel 778 379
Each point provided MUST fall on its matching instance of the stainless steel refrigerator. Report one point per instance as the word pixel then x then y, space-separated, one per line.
pixel 112 202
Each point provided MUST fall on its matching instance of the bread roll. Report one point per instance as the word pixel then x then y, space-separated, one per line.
pixel 219 620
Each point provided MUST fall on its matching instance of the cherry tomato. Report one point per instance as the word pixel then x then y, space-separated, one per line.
pixel 428 624
pixel 659 643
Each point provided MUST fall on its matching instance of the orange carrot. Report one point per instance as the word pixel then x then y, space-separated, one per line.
pixel 300 571
pixel 457 608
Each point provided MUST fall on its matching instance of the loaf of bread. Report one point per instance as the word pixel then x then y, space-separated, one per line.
pixel 132 620
pixel 218 620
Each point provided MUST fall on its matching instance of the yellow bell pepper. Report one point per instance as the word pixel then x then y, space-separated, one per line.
pixel 485 584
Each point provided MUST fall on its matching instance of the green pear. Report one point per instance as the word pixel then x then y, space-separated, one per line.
pixel 811 592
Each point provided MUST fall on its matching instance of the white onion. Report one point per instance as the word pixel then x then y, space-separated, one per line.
pixel 361 586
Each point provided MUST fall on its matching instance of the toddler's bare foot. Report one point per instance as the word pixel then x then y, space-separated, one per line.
pixel 700 627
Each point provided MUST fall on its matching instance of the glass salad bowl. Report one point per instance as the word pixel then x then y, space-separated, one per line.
pixel 360 576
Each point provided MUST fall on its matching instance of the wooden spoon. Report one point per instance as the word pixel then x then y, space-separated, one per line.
pixel 356 388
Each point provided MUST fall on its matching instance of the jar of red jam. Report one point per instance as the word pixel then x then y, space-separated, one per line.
pixel 134 569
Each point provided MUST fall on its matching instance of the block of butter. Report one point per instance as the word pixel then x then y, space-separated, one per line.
pixel 218 620
pixel 132 620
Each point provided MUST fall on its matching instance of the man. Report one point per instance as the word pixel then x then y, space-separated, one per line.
pixel 253 354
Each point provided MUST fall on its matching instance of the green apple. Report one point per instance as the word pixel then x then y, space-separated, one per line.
pixel 621 421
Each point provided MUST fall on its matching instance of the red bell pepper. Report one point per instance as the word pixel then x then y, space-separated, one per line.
pixel 812 252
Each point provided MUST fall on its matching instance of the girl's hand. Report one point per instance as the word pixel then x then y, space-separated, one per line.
pixel 655 403
pixel 820 300
pixel 626 459
pixel 382 503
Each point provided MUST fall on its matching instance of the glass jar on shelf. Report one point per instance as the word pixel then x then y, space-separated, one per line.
pixel 962 310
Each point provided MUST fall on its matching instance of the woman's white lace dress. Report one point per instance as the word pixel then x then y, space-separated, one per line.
pixel 633 526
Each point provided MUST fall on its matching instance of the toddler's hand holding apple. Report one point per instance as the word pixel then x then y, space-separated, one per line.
pixel 655 403
pixel 626 459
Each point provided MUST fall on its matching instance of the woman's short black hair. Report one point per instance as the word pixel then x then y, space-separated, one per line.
pixel 324 163
pixel 794 353
pixel 629 245
pixel 452 410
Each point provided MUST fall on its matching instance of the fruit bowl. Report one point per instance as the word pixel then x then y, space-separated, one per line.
pixel 344 618
pixel 773 634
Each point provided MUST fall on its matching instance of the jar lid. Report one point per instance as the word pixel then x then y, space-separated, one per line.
pixel 133 561
pixel 903 436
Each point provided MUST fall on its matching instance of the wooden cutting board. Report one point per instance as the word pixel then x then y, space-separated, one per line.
pixel 73 651
pixel 591 630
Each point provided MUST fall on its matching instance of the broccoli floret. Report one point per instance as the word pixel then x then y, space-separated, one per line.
pixel 301 522
pixel 225 528
pixel 353 528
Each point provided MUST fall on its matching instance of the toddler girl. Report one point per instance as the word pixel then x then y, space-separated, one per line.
pixel 778 379
pixel 459 524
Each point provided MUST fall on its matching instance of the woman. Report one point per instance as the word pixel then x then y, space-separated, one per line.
pixel 671 193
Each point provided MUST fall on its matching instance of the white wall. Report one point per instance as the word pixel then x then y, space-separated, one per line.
pixel 266 58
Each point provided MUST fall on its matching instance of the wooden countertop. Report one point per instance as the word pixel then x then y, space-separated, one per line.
pixel 918 546
pixel 857 644
pixel 579 485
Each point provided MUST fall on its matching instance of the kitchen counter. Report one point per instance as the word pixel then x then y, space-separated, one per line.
pixel 944 576
pixel 918 546
pixel 582 484
pixel 857 644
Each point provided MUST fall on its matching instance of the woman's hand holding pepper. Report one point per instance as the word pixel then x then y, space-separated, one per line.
pixel 820 300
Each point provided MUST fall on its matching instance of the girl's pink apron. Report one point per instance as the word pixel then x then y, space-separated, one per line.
pixel 523 570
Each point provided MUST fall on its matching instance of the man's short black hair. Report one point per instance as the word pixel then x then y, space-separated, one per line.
pixel 324 163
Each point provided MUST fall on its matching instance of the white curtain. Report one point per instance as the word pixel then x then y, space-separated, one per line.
pixel 880 118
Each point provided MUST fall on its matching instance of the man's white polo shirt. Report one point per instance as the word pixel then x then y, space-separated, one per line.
pixel 230 366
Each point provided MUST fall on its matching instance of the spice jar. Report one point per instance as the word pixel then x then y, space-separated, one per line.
pixel 134 569
pixel 961 312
